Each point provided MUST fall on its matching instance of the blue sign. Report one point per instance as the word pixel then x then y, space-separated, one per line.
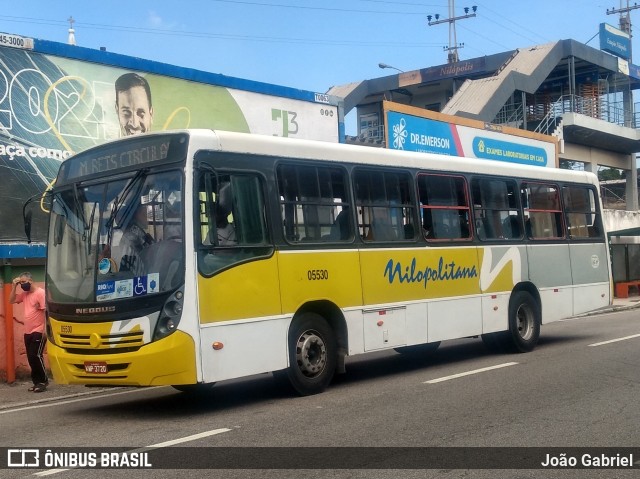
pixel 634 71
pixel 411 133
pixel 492 149
pixel 139 285
pixel 615 41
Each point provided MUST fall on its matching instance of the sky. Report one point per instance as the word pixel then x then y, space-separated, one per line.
pixel 304 44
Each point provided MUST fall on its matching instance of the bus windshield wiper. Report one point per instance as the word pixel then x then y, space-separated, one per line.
pixel 119 200
pixel 93 213
pixel 80 208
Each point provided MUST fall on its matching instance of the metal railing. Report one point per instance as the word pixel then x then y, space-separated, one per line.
pixel 544 117
pixel 510 115
pixel 595 107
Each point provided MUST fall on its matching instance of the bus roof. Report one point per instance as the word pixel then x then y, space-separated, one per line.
pixel 319 150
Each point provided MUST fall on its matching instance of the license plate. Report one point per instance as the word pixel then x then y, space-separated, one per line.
pixel 95 367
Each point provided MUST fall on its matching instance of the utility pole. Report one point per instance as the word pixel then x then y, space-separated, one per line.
pixel 631 192
pixel 452 49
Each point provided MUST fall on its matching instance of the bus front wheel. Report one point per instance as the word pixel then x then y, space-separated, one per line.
pixel 313 354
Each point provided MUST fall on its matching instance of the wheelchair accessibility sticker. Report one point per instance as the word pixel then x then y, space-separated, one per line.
pixel 127 288
pixel 147 284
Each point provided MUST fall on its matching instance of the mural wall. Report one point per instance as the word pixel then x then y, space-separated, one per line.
pixel 54 105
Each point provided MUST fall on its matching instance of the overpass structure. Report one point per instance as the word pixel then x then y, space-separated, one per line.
pixel 579 94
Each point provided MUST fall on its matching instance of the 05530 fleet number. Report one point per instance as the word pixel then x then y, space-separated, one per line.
pixel 317 274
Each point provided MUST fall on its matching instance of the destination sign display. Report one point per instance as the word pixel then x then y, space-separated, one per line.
pixel 130 154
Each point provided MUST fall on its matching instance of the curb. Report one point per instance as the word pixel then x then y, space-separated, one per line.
pixel 44 397
pixel 610 309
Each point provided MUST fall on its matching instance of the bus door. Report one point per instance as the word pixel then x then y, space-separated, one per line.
pixel 449 267
pixel 238 287
pixel 588 249
pixel 548 251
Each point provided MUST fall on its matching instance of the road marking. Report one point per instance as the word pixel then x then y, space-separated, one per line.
pixel 468 373
pixel 86 397
pixel 159 445
pixel 615 340
pixel 188 438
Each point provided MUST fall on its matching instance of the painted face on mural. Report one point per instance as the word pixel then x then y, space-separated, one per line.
pixel 134 113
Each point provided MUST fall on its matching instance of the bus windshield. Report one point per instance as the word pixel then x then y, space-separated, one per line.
pixel 116 239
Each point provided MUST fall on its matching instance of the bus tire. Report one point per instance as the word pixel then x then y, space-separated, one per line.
pixel 524 322
pixel 419 350
pixel 313 354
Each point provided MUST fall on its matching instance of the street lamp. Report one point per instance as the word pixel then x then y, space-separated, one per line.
pixel 384 65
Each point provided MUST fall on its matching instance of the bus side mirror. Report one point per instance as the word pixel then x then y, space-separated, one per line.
pixel 27 225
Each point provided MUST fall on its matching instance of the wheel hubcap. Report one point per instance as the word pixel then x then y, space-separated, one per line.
pixel 525 322
pixel 311 354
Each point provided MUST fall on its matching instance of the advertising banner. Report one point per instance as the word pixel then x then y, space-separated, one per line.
pixel 418 133
pixel 55 105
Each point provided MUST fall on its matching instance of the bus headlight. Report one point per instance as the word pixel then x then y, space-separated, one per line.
pixel 170 315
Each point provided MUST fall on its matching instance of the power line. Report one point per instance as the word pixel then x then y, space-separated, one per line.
pixel 326 9
pixel 520 27
pixel 195 34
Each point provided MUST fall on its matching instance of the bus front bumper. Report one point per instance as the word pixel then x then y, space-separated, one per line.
pixel 169 361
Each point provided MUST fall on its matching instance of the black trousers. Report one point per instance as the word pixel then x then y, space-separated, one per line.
pixel 34 344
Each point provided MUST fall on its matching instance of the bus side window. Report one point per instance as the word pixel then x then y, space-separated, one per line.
pixel 583 220
pixel 385 205
pixel 314 203
pixel 542 211
pixel 496 209
pixel 445 207
pixel 232 220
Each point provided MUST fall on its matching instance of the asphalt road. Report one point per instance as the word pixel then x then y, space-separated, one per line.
pixel 579 388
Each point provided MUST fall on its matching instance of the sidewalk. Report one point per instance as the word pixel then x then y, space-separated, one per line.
pixel 17 394
pixel 626 303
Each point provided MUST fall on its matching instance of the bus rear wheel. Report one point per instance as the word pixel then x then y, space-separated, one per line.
pixel 524 322
pixel 524 327
pixel 312 354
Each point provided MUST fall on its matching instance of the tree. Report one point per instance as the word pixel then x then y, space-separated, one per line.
pixel 605 174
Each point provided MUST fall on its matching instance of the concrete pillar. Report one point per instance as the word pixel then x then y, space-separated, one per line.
pixel 632 185
pixel 7 281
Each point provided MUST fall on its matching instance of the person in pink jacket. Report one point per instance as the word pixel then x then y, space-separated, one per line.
pixel 33 299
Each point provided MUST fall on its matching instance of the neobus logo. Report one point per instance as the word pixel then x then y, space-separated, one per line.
pixel 102 309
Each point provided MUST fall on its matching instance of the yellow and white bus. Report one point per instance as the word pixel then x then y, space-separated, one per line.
pixel 186 258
